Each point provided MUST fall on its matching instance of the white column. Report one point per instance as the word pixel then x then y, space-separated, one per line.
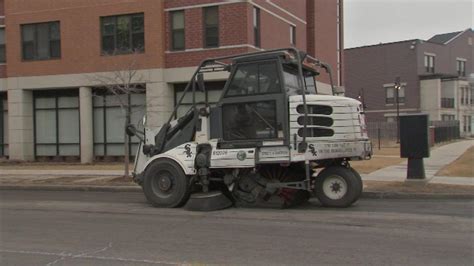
pixel 160 103
pixel 430 98
pixel 20 125
pixel 87 133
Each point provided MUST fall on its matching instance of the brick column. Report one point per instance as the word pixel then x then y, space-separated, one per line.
pixel 20 125
pixel 87 133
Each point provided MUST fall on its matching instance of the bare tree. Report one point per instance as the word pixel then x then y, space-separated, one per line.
pixel 125 80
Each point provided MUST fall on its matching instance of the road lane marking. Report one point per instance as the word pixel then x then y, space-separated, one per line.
pixel 71 255
pixel 82 254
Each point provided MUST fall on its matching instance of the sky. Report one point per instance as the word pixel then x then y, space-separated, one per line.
pixel 369 22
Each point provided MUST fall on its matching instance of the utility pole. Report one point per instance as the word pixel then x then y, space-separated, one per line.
pixel 397 91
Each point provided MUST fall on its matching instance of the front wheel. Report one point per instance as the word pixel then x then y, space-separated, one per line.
pixel 165 184
pixel 337 186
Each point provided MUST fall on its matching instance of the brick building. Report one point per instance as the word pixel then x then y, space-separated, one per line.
pixel 53 52
pixel 436 77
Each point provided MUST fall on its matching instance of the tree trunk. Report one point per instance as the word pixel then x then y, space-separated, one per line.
pixel 127 146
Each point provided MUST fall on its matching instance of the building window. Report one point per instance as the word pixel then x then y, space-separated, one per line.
pixel 465 95
pixel 212 95
pixel 3 125
pixel 467 123
pixel 429 63
pixel 461 67
pixel 56 120
pixel 177 30
pixel 468 96
pixel 41 41
pixel 123 34
pixel 109 121
pixel 256 26
pixel 292 35
pixel 3 58
pixel 447 117
pixel 390 94
pixel 472 95
pixel 401 95
pixel 211 26
pixel 447 102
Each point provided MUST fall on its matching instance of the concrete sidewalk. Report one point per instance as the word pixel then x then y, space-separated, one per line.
pixel 56 173
pixel 439 158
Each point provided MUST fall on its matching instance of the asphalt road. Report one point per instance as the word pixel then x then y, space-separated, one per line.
pixel 98 228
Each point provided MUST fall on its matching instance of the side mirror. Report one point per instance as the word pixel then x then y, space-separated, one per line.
pixel 200 82
pixel 131 130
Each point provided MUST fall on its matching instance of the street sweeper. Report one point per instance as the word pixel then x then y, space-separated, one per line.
pixel 272 136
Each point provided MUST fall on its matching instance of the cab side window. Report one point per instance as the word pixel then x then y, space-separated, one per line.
pixel 250 120
pixel 251 79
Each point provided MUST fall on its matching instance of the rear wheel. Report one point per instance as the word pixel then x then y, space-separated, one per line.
pixel 337 186
pixel 165 184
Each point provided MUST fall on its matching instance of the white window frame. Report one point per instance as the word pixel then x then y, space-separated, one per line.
pixel 292 35
pixel 403 86
pixel 429 62
pixel 461 70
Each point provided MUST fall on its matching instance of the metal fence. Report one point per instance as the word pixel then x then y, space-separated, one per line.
pixel 445 130
pixel 384 134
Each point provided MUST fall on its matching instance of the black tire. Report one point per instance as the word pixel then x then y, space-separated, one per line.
pixel 172 190
pixel 360 185
pixel 301 196
pixel 337 186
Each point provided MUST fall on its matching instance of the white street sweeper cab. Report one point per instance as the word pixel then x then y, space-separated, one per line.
pixel 271 136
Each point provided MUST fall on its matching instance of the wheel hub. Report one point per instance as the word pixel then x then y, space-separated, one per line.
pixel 335 187
pixel 164 183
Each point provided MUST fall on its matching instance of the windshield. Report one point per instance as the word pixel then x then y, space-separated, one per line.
pixel 291 83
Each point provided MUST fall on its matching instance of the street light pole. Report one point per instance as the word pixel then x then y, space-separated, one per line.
pixel 362 97
pixel 397 90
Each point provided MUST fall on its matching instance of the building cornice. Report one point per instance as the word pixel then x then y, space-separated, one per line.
pixel 391 110
pixel 215 48
pixel 249 2
pixel 286 12
pixel 205 5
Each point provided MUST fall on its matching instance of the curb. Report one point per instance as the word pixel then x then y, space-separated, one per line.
pixel 72 188
pixel 414 195
pixel 136 188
